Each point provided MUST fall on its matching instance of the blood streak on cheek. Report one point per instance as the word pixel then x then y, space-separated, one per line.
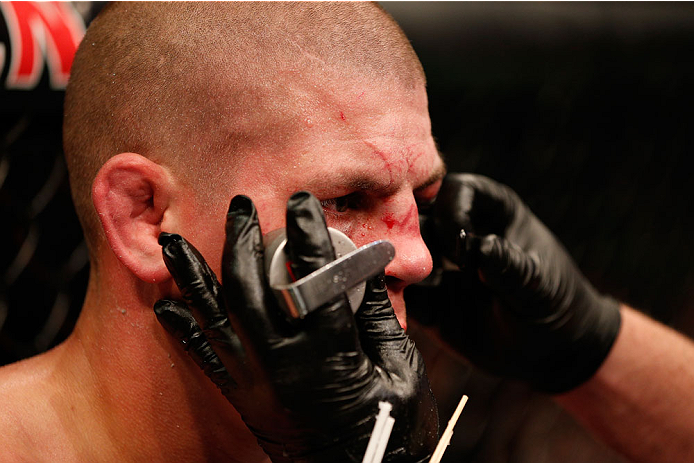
pixel 407 222
pixel 342 116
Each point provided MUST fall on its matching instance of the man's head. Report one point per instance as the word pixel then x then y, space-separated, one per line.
pixel 174 108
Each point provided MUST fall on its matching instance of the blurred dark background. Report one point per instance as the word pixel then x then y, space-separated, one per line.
pixel 43 259
pixel 583 108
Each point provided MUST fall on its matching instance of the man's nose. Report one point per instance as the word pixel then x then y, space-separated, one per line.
pixel 400 226
pixel 412 262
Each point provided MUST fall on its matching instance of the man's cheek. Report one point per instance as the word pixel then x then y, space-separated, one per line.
pixel 271 214
pixel 346 225
pixel 361 229
pixel 398 301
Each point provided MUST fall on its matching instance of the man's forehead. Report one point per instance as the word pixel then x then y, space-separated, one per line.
pixel 358 134
pixel 374 169
pixel 371 134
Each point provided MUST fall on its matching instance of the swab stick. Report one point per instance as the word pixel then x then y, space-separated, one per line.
pixel 448 433
pixel 380 435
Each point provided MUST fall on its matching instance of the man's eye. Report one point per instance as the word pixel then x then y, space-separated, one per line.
pixel 341 204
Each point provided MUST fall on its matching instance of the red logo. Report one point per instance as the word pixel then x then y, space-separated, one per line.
pixel 40 32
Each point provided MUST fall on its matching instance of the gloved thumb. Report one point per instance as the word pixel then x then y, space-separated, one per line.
pixel 380 333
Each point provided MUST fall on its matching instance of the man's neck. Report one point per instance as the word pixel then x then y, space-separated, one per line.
pixel 120 389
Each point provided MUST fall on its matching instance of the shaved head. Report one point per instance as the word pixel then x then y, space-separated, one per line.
pixel 195 85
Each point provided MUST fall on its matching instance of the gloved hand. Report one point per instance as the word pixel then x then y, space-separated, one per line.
pixel 308 389
pixel 519 307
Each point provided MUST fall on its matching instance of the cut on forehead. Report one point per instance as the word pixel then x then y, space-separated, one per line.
pixel 190 84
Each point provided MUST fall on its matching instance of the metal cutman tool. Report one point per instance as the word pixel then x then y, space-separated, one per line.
pixel 347 274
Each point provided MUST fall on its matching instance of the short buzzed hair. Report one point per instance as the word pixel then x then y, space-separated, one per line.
pixel 189 84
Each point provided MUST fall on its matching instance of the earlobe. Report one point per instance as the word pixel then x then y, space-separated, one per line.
pixel 132 196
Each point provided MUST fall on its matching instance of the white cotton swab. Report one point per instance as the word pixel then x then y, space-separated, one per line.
pixel 448 433
pixel 380 435
pixel 381 448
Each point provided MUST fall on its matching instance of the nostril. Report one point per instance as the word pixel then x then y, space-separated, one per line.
pixel 394 284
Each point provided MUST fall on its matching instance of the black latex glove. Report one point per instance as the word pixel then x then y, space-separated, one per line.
pixel 519 307
pixel 308 389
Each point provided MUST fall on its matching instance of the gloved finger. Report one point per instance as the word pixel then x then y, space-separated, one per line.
pixel 514 275
pixel 309 248
pixel 179 322
pixel 484 206
pixel 199 286
pixel 473 202
pixel 253 309
pixel 382 338
pixel 202 292
pixel 308 243
pixel 388 347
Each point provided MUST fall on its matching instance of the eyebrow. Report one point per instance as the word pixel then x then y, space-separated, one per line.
pixel 366 184
pixel 435 176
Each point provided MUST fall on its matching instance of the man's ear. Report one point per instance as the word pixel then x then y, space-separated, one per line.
pixel 132 196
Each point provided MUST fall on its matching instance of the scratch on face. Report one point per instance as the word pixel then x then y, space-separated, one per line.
pixel 406 223
pixel 308 55
pixel 394 164
pixel 413 156
pixel 384 157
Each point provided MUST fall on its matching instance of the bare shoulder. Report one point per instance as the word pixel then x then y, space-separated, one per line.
pixel 30 412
